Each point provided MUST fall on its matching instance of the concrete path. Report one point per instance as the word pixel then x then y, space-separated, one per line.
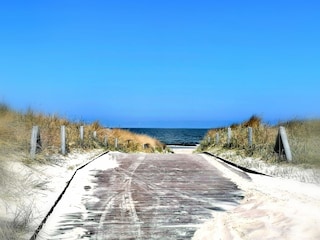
pixel 144 196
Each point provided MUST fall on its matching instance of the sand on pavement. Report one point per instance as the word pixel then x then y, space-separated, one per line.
pixel 273 208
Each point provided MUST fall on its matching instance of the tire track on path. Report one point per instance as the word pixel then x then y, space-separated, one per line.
pixel 145 196
pixel 124 200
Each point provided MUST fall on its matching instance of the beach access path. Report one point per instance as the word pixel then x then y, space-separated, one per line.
pixel 141 196
pixel 181 196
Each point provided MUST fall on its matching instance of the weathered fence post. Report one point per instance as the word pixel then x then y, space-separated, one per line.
pixel 250 136
pixel 63 140
pixel 217 138
pixel 35 141
pixel 106 141
pixel 81 133
pixel 116 143
pixel 95 134
pixel 209 139
pixel 282 146
pixel 229 136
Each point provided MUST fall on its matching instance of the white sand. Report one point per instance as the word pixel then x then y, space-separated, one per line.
pixel 273 208
pixel 35 188
pixel 75 198
pixel 182 149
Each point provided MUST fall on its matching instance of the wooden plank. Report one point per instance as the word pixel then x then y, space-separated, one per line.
pixel 148 196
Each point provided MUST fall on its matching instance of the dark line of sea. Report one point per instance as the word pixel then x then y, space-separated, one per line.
pixel 174 136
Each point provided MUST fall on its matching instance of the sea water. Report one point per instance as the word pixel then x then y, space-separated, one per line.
pixel 174 136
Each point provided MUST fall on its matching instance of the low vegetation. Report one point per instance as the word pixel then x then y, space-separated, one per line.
pixel 15 134
pixel 303 137
pixel 15 138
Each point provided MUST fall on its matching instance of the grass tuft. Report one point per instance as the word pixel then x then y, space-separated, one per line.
pixel 303 137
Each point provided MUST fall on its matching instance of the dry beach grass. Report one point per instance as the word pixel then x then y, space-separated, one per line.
pixel 304 141
pixel 15 135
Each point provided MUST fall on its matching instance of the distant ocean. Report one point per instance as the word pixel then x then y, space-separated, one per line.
pixel 174 136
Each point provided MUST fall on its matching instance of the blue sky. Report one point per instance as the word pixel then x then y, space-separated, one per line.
pixel 161 63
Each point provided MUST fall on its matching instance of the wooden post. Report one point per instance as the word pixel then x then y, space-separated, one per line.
pixel 106 141
pixel 285 143
pixel 95 134
pixel 63 140
pixel 209 139
pixel 217 138
pixel 81 133
pixel 35 141
pixel 229 136
pixel 250 136
pixel 116 143
pixel 282 144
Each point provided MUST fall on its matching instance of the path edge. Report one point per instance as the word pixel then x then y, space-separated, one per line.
pixel 36 232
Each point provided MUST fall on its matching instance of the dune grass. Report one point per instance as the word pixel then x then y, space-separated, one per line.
pixel 15 138
pixel 15 134
pixel 15 229
pixel 303 137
